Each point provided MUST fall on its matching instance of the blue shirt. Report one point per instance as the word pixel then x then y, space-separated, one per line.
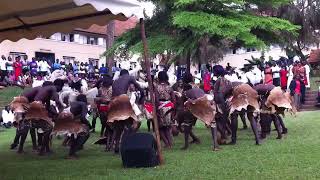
pixel 103 70
pixel 56 66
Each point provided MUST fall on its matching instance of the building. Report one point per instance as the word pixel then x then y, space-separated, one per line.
pixel 80 45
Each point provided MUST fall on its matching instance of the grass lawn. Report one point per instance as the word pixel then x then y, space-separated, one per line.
pixel 296 156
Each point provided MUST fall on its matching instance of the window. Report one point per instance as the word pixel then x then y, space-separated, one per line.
pixel 13 55
pixel 92 41
pixel 71 37
pixel 68 59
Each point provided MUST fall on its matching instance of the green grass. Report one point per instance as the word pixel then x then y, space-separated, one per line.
pixel 296 156
pixel 7 94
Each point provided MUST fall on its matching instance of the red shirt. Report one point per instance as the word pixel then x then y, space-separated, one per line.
pixel 297 90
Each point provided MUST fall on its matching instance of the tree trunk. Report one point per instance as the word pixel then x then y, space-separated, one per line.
pixel 110 41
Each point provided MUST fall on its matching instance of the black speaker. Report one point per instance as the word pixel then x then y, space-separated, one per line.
pixel 139 150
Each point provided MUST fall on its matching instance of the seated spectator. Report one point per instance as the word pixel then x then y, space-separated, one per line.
pixel 7 117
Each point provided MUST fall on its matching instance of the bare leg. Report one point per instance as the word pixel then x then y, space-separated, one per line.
pixel 234 128
pixel 23 137
pixel 187 129
pixel 254 127
pixel 284 129
pixel 33 138
pixel 195 139
pixel 169 136
pixel 214 134
pixel 277 125
pixel 243 119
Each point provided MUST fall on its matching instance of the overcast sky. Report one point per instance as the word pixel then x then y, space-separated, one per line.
pixel 148 6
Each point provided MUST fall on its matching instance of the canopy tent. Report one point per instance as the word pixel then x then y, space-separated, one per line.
pixel 29 19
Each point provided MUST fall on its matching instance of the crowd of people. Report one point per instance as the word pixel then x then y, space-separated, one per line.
pixel 291 75
pixel 22 71
pixel 121 102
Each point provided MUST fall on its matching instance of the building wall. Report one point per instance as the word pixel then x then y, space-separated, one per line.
pixel 81 52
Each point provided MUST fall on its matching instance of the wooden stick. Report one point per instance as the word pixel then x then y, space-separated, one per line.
pixel 148 69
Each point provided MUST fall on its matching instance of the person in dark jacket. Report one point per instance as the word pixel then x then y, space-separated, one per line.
pixel 297 90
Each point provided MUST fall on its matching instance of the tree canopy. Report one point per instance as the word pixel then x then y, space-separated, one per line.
pixel 203 29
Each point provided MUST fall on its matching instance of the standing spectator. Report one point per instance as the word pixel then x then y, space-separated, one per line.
pixel 3 67
pixel 96 71
pixel 63 65
pixel 268 74
pixel 17 68
pixel 197 78
pixel 91 70
pixel 297 89
pixel 228 68
pixel 69 68
pixel 207 81
pixel 82 71
pixel 25 64
pixel 103 70
pixel 33 67
pixel 275 74
pixel 9 65
pixel 56 65
pixel 86 68
pixel 290 77
pixel 283 77
pixel 75 68
pixel 43 66
pixel 307 74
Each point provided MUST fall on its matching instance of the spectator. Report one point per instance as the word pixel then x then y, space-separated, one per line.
pixel 56 65
pixel 197 78
pixel 96 71
pixel 206 81
pixel 33 67
pixel 268 74
pixel 307 74
pixel 86 68
pixel 283 77
pixel 25 64
pixel 82 71
pixel 297 89
pixel 91 70
pixel 43 66
pixel 9 65
pixel 3 67
pixel 103 70
pixel 275 74
pixel 17 68
pixel 228 68
pixel 75 68
pixel 7 117
pixel 63 65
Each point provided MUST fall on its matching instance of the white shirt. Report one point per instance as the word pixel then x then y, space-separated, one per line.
pixel 7 116
pixel 3 64
pixel 44 66
pixel 10 66
pixel 275 69
pixel 197 78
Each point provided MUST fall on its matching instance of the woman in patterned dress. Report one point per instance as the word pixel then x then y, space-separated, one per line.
pixel 165 102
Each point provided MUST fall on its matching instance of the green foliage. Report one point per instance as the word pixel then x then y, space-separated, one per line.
pixel 179 26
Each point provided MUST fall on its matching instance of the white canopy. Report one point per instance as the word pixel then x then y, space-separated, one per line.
pixel 31 18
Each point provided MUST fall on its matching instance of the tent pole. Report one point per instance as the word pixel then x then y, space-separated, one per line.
pixel 147 63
